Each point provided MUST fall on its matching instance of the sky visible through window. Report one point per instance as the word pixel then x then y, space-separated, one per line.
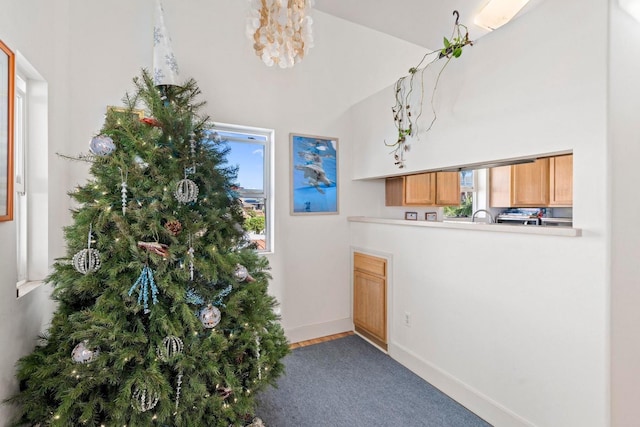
pixel 247 152
pixel 466 179
pixel 250 158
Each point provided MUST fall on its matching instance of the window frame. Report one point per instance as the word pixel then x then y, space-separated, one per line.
pixel 473 189
pixel 268 173
pixel 33 216
pixel 21 204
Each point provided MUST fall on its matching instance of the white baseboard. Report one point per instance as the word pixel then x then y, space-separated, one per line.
pixel 318 330
pixel 487 409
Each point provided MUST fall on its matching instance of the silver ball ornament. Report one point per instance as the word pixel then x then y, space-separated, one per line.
pixel 144 400
pixel 186 191
pixel 171 347
pixel 86 261
pixel 210 316
pixel 81 354
pixel 140 163
pixel 241 273
pixel 101 145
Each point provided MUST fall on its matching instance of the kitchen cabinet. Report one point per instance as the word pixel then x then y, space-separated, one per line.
pixel 530 184
pixel 394 191
pixel 447 188
pixel 500 186
pixel 370 297
pixel 561 181
pixel 423 189
pixel 420 189
pixel 521 185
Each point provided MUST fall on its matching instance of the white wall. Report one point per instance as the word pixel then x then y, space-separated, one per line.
pixel 514 327
pixel 518 332
pixel 509 95
pixel 37 29
pixel 310 264
pixel 94 50
pixel 624 136
pixel 89 51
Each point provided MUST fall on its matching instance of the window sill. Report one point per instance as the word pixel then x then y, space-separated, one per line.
pixel 476 226
pixel 25 287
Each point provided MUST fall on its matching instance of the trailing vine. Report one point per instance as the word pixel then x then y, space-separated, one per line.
pixel 404 117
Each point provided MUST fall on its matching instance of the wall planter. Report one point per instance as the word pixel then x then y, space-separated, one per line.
pixel 406 116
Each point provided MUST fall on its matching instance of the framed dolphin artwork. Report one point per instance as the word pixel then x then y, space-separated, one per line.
pixel 314 174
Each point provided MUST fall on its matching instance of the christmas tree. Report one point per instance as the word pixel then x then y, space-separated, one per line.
pixel 163 313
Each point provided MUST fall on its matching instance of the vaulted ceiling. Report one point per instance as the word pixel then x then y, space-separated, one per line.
pixel 423 22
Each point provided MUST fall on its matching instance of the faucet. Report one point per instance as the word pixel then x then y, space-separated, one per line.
pixel 473 217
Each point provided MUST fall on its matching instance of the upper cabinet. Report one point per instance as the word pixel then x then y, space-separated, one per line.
pixel 394 191
pixel 420 189
pixel 561 181
pixel 530 184
pixel 423 189
pixel 447 188
pixel 545 182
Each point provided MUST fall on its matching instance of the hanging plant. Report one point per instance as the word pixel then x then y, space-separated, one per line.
pixel 404 116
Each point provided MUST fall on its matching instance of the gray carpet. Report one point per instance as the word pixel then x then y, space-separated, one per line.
pixel 349 383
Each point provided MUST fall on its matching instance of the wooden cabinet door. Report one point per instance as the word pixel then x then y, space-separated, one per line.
pixel 420 189
pixel 530 184
pixel 448 188
pixel 394 191
pixel 370 297
pixel 561 181
pixel 500 187
pixel 369 307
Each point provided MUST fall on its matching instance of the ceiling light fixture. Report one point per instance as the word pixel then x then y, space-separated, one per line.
pixel 280 30
pixel 632 7
pixel 496 13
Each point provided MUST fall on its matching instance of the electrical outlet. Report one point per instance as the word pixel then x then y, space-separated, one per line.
pixel 407 318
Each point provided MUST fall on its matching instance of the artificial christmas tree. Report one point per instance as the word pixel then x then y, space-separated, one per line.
pixel 164 316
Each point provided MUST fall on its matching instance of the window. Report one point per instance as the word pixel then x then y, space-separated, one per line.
pixel 250 150
pixel 20 205
pixel 31 158
pixel 467 196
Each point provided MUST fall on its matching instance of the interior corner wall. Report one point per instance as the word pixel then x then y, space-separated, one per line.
pixel 515 327
pixel 88 51
pixel 38 30
pixel 310 263
pixel 535 322
pixel 624 136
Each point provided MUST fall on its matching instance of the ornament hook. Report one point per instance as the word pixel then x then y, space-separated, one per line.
pixel 89 236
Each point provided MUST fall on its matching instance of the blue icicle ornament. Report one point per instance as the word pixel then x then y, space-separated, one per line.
pixel 144 282
pixel 194 298
pixel 223 293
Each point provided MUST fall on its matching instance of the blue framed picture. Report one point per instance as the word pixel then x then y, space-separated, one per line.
pixel 314 174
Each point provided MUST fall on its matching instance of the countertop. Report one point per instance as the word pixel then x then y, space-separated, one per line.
pixel 476 226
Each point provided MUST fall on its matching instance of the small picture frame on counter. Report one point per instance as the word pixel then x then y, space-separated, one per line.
pixel 411 216
pixel 431 216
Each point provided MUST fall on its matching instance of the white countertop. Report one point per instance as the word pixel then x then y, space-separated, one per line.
pixel 476 226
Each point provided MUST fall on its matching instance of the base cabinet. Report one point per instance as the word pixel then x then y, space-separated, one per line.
pixel 370 297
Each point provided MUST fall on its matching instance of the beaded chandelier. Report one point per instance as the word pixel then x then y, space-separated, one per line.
pixel 280 30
